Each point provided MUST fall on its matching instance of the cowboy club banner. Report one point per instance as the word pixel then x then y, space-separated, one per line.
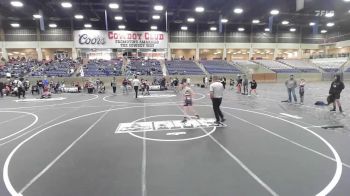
pixel 120 39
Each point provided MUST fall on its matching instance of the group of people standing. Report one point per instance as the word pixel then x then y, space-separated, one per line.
pixel 337 86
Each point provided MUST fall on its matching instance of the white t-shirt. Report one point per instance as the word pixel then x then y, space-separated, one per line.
pixel 136 82
pixel 217 89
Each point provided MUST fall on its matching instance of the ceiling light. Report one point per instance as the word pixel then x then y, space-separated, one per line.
pixel 312 24
pixel 241 29
pixel 15 25
pixel 154 27
pixel 52 25
pixel 346 0
pixel 267 29
pixel 285 22
pixel 156 17
pixel 36 16
pixel 190 20
pixel 274 12
pixel 113 5
pixel 66 4
pixel 255 21
pixel 79 16
pixel 323 31
pixel 158 7
pixel 121 27
pixel 199 9
pixel 16 4
pixel 224 20
pixel 330 24
pixel 87 25
pixel 238 10
pixel 184 28
pixel 329 15
pixel 118 18
pixel 213 28
pixel 292 29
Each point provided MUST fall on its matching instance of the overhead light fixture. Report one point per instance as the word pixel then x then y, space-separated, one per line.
pixel 66 4
pixel 121 27
pixel 274 12
pixel 224 20
pixel 199 9
pixel 255 21
pixel 330 24
pixel 240 29
pixel 36 16
pixel 213 28
pixel 267 30
pixel 285 22
pixel 191 19
pixel 158 7
pixel 156 17
pixel 118 18
pixel 238 10
pixel 52 25
pixel 329 14
pixel 113 5
pixel 346 0
pixel 184 28
pixel 323 31
pixel 87 25
pixel 16 3
pixel 154 27
pixel 292 29
pixel 78 16
pixel 15 25
pixel 312 24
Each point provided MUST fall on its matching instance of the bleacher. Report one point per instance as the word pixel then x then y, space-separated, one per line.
pixel 276 66
pixel 302 65
pixel 330 64
pixel 18 68
pixel 219 67
pixel 101 68
pixel 183 68
pixel 145 67
pixel 56 68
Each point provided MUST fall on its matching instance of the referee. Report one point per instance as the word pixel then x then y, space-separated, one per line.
pixel 216 94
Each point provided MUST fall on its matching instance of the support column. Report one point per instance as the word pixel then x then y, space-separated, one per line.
pixel 224 54
pixel 4 52
pixel 251 51
pixel 197 53
pixel 169 53
pixel 275 53
pixel 74 53
pixel 40 53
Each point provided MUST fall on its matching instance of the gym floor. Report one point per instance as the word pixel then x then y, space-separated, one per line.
pixel 67 146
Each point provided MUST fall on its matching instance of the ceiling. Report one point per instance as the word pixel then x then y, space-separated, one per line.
pixel 137 14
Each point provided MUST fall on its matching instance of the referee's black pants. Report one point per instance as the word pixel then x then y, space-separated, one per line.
pixel 217 110
pixel 136 88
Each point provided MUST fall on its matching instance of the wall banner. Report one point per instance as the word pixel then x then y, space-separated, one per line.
pixel 120 39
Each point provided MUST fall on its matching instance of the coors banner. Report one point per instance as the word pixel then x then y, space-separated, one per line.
pixel 120 39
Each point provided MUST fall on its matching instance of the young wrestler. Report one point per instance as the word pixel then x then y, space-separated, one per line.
pixel 188 108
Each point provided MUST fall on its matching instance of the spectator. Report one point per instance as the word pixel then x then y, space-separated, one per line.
pixel 291 84
pixel 336 88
